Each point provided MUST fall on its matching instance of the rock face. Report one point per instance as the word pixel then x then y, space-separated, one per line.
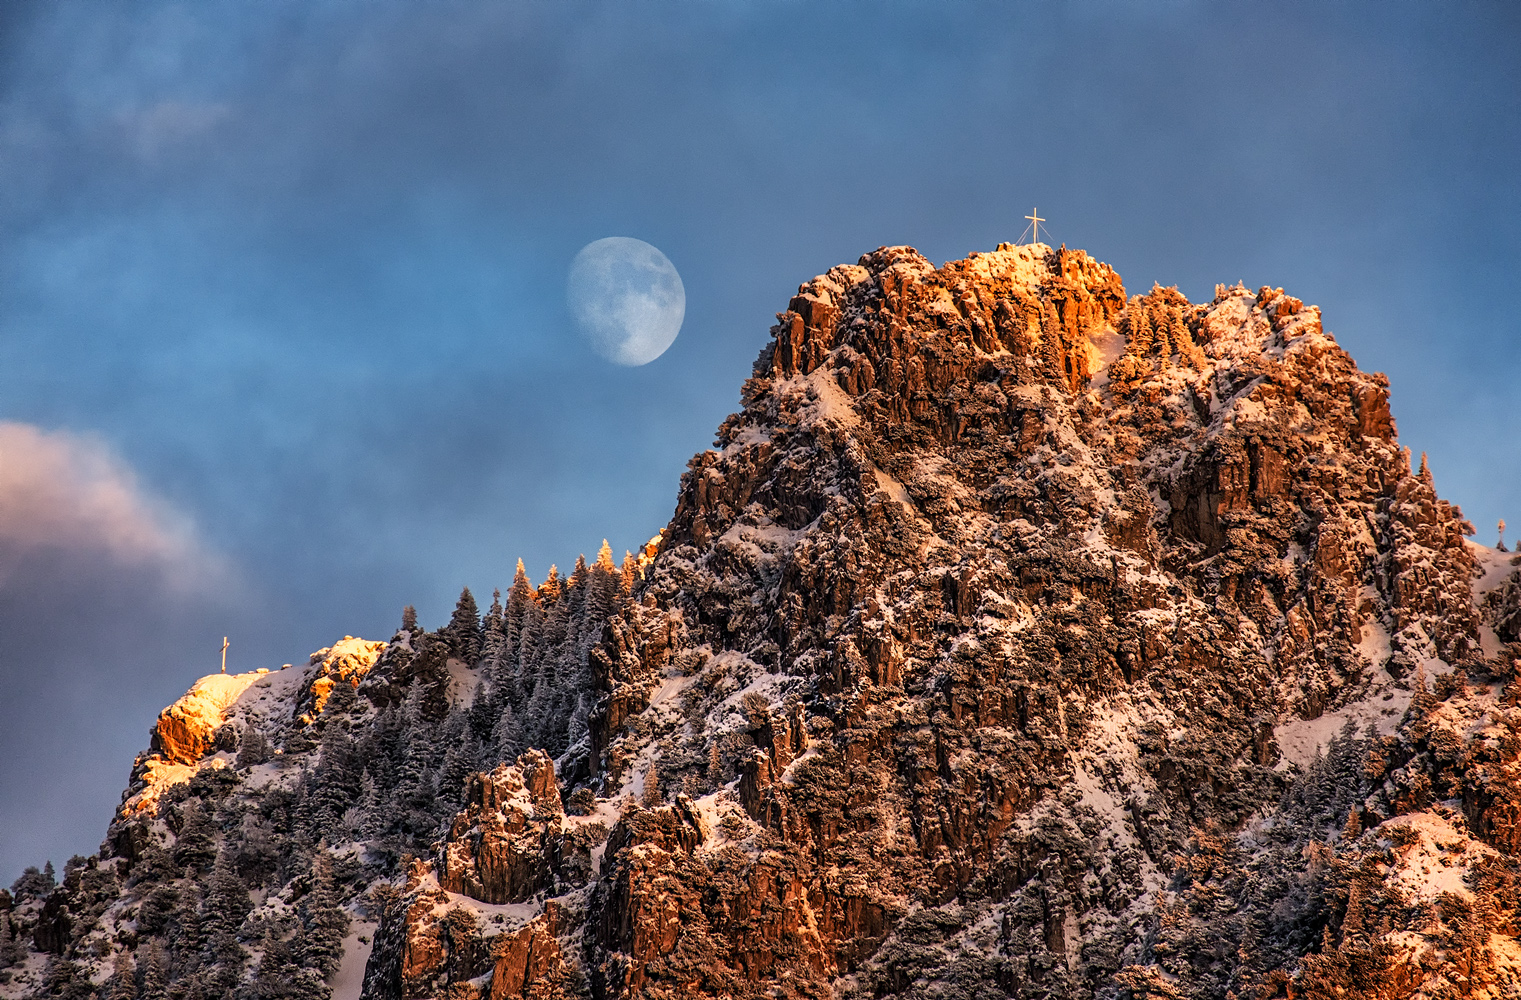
pixel 1017 638
pixel 186 730
pixel 999 587
pixel 344 662
pixel 504 846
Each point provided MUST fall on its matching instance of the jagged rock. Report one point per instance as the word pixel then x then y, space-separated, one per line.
pixel 431 941
pixel 529 962
pixel 1022 568
pixel 1016 638
pixel 186 730
pixel 347 661
pixel 504 846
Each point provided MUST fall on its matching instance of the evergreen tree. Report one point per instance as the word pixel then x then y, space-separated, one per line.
pixel 123 982
pixel 343 698
pixel 494 632
pixel 323 921
pixel 628 575
pixel 195 846
pixel 34 884
pixel 157 910
pixel 253 749
pixel 520 597
pixel 154 963
pixel 506 739
pixel 463 633
pixel 64 978
pixel 409 619
pixel 12 950
pixel 602 597
pixel 189 935
pixel 227 902
pixel 335 782
pixel 372 819
pixel 460 756
pixel 271 978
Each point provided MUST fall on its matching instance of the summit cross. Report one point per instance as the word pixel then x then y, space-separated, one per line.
pixel 225 644
pixel 1035 221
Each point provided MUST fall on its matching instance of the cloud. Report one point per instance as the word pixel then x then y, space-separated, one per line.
pixel 169 122
pixel 67 499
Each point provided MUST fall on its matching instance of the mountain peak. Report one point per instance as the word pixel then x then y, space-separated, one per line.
pixel 1017 635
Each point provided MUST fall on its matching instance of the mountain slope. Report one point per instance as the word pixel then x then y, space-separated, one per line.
pixel 1017 638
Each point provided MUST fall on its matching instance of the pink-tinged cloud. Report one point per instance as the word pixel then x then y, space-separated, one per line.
pixel 66 498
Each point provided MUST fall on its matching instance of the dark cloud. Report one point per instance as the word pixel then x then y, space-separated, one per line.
pixel 301 265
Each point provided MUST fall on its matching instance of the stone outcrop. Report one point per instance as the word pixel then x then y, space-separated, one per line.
pixel 186 730
pixel 505 846
pixel 344 662
pixel 1000 585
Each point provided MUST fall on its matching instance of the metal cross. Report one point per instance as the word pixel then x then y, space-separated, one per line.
pixel 225 644
pixel 1035 221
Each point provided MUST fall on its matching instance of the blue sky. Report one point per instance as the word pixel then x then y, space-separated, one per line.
pixel 288 278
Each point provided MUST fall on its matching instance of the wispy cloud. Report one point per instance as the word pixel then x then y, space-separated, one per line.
pixel 68 495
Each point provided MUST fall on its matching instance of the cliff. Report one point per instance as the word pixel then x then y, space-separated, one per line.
pixel 1018 637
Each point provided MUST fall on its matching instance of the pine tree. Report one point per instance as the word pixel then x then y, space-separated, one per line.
pixel 335 781
pixel 154 963
pixel 123 982
pixel 520 597
pixel 12 950
pixel 323 921
pixel 494 632
pixel 34 884
pixel 195 846
pixel 409 619
pixel 506 738
pixel 189 934
pixel 64 978
pixel 628 574
pixel 158 908
pixel 463 633
pixel 253 749
pixel 227 902
pixel 460 756
pixel 602 598
pixel 271 979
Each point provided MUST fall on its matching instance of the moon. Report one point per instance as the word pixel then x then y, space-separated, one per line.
pixel 626 298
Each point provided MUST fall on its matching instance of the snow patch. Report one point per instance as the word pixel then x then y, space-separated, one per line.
pixel 349 979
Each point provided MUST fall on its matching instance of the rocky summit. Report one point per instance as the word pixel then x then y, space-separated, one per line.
pixel 1017 638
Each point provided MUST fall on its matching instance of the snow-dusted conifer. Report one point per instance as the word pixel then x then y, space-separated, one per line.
pixel 335 782
pixel 63 977
pixel 463 633
pixel 195 846
pixel 460 756
pixel 323 920
pixel 33 884
pixel 628 574
pixel 506 738
pixel 189 935
pixel 253 749
pixel 123 982
pixel 227 901
pixel 494 631
pixel 153 961
pixel 519 597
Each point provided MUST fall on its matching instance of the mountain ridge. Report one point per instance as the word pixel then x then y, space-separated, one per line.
pixel 989 652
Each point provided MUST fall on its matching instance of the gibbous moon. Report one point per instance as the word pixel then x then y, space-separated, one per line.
pixel 626 298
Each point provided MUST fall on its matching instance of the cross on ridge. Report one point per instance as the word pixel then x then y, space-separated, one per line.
pixel 1035 221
